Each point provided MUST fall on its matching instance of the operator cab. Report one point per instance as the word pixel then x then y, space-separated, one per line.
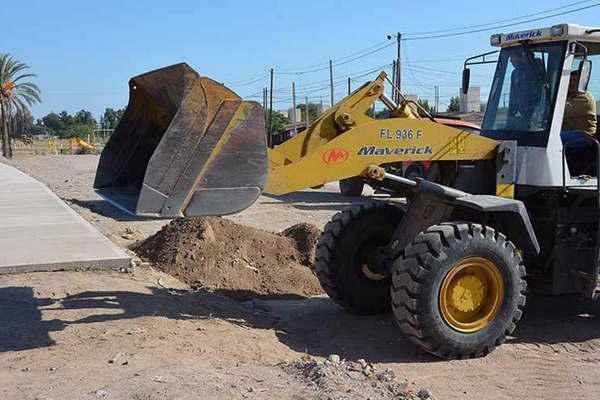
pixel 530 97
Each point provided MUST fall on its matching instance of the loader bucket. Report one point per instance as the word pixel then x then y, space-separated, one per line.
pixel 185 146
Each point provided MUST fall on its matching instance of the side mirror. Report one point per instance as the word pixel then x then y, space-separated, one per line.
pixel 585 71
pixel 466 77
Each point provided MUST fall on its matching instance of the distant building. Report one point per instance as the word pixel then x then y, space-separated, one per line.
pixel 282 112
pixel 470 102
pixel 299 116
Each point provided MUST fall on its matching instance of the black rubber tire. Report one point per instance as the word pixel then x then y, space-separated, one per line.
pixel 352 187
pixel 347 239
pixel 417 276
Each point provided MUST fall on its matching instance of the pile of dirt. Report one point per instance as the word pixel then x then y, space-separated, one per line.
pixel 306 237
pixel 337 378
pixel 242 262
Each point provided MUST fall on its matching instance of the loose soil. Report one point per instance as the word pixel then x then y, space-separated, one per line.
pixel 306 237
pixel 217 254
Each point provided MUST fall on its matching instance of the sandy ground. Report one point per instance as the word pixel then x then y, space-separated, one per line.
pixel 144 335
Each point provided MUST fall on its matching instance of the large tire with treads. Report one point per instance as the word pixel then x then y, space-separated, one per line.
pixel 344 252
pixel 458 289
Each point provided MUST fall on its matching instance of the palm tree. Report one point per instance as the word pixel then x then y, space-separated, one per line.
pixel 15 96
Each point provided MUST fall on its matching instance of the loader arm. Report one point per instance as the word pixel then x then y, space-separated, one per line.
pixel 189 146
pixel 344 141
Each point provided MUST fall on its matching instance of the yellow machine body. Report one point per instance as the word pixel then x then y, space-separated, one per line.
pixel 344 141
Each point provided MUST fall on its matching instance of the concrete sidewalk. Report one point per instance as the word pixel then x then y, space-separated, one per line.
pixel 39 232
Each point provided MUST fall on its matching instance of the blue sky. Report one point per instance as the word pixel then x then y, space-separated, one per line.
pixel 84 52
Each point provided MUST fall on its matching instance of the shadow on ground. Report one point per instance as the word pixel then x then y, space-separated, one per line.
pixel 107 210
pixel 21 324
pixel 316 200
pixel 558 319
pixel 315 325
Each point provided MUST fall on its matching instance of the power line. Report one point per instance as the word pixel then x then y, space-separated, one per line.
pixel 428 35
pixel 497 22
pixel 322 84
pixel 502 26
pixel 334 60
pixel 352 75
pixel 248 80
pixel 313 87
pixel 338 63
pixel 410 70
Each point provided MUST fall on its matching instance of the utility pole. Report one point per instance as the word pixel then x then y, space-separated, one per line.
pixel 349 89
pixel 306 117
pixel 265 90
pixel 394 76
pixel 331 80
pixel 437 98
pixel 294 130
pixel 398 67
pixel 270 124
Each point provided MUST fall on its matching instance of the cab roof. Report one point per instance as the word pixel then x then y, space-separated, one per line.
pixel 549 34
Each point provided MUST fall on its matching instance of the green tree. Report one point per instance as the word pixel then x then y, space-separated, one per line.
pixel 82 131
pixel 16 96
pixel 454 105
pixel 383 114
pixel 111 117
pixel 65 125
pixel 83 117
pixel 66 118
pixel 425 104
pixel 278 121
pixel 313 111
pixel 21 122
pixel 54 123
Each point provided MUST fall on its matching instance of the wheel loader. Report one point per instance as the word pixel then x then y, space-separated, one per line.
pixel 517 207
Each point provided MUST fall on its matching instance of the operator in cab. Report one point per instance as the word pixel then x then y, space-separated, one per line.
pixel 525 90
pixel 580 109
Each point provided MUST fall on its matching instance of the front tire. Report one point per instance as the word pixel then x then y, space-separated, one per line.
pixel 458 289
pixel 345 262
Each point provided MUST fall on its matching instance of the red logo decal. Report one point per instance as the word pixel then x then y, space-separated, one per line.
pixel 335 156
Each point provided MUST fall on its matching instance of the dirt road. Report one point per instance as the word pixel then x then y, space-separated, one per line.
pixel 147 336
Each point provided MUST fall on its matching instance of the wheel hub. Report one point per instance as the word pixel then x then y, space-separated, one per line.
pixel 467 294
pixel 374 276
pixel 471 294
pixel 372 262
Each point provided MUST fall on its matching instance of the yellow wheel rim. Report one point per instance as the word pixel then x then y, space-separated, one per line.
pixel 370 274
pixel 471 294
